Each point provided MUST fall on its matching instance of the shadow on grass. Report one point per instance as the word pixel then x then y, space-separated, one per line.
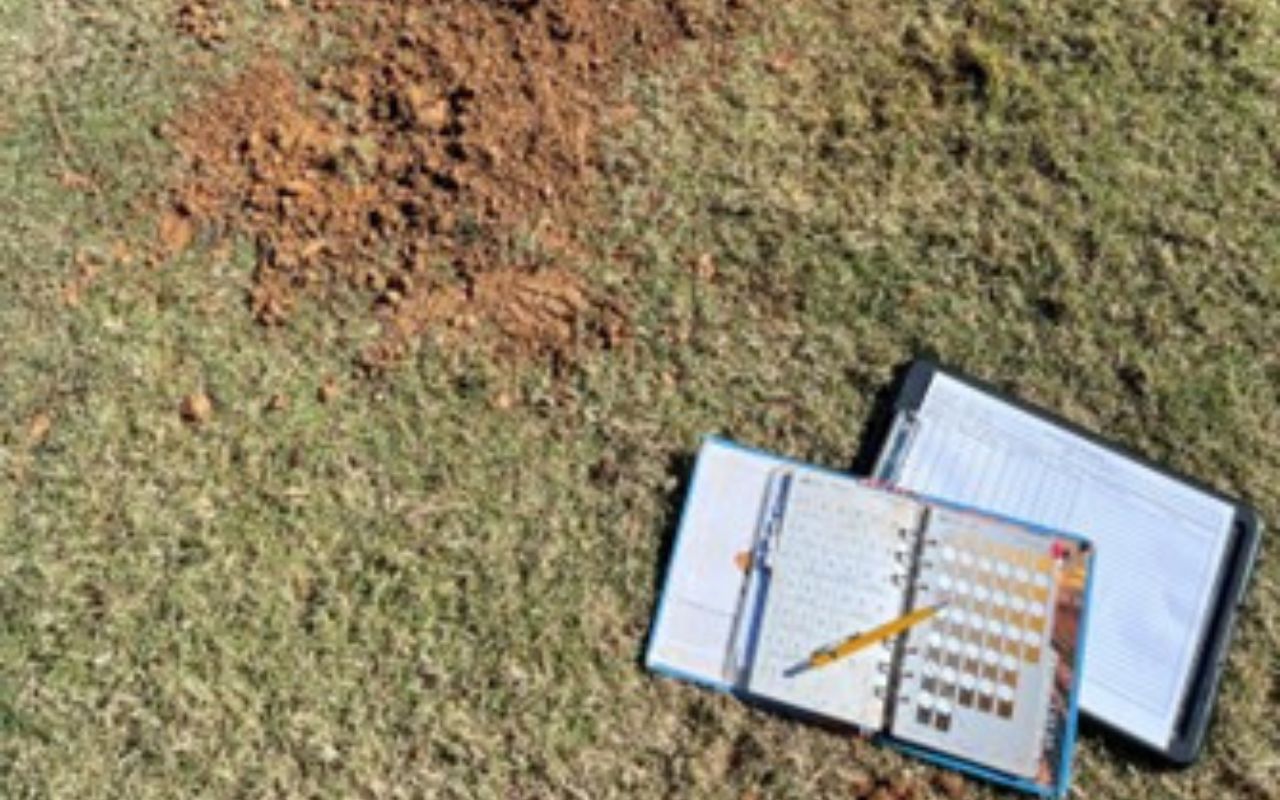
pixel 875 429
pixel 1118 747
pixel 681 465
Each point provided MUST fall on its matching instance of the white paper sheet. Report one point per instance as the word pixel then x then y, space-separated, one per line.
pixel 1160 543
pixel 695 625
pixel 832 575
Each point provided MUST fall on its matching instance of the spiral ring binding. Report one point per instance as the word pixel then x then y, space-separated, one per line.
pixel 903 555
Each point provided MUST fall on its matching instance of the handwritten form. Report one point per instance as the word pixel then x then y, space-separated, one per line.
pixel 1160 543
pixel 832 573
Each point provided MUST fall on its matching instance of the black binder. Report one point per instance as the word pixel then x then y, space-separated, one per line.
pixel 1236 566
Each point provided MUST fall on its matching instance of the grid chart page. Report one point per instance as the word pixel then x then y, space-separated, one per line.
pixel 836 569
pixel 977 678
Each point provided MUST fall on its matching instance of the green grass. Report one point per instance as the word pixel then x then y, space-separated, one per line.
pixel 415 590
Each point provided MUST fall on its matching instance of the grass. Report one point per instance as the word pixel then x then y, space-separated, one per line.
pixel 421 588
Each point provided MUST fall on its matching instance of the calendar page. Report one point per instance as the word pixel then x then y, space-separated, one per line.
pixel 836 567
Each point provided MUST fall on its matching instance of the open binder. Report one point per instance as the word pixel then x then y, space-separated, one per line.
pixel 1174 556
pixel 774 559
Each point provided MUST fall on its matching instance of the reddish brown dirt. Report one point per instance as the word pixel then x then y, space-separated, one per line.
pixel 203 20
pixel 408 169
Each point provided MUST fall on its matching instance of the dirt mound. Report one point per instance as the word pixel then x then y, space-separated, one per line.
pixel 407 168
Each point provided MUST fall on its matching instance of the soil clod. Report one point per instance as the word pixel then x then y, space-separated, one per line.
pixel 196 408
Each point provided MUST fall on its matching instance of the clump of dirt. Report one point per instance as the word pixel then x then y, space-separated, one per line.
pixel 196 409
pixel 203 20
pixel 407 169
pixel 549 307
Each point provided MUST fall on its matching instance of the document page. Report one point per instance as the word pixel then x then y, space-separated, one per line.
pixel 835 571
pixel 693 632
pixel 1160 543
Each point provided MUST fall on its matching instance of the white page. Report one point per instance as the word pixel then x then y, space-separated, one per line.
pixel 1160 543
pixel 723 509
pixel 832 574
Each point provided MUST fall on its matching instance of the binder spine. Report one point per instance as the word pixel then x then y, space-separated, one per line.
pixel 906 555
pixel 892 667
pixel 747 616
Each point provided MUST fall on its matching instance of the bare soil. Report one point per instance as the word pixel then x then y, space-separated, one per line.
pixel 407 168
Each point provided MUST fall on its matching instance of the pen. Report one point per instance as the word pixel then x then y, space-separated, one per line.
pixel 860 641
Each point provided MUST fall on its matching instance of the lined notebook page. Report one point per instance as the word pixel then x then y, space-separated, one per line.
pixel 831 574
pixel 1160 543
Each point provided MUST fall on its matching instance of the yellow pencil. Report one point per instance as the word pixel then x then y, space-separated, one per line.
pixel 861 641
